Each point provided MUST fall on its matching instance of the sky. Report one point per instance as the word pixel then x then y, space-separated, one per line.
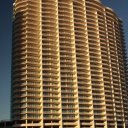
pixel 119 6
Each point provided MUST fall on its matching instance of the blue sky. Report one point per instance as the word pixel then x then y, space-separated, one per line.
pixel 119 6
pixel 5 57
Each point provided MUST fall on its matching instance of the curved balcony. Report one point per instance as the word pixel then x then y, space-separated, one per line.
pixel 95 5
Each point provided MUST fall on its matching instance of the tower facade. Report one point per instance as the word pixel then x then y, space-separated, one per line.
pixel 68 65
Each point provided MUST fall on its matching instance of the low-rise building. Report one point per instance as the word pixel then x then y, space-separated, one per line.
pixel 6 124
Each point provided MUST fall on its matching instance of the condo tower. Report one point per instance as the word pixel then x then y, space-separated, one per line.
pixel 68 65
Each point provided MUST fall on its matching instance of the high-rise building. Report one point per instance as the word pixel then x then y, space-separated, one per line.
pixel 68 65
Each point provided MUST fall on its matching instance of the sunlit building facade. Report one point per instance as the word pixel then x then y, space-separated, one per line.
pixel 68 65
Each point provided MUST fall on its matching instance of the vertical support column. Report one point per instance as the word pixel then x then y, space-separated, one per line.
pixel 121 45
pixel 101 76
pixel 95 64
pixel 89 62
pixel 51 65
pixel 113 62
pixel 101 73
pixel 58 45
pixel 110 109
pixel 75 66
pixel 120 63
pixel 41 61
pixel 69 94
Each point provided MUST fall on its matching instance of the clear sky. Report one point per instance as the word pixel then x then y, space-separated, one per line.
pixel 119 6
